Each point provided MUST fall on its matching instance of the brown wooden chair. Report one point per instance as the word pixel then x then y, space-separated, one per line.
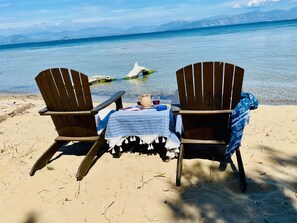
pixel 208 92
pixel 67 96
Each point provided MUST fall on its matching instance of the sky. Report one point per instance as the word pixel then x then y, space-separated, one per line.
pixel 76 14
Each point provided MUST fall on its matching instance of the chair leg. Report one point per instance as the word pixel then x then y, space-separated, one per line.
pixel 46 156
pixel 87 161
pixel 179 165
pixel 243 185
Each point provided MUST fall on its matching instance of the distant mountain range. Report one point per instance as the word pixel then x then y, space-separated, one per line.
pixel 48 35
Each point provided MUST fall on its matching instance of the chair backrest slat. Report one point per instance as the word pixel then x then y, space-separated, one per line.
pixel 44 89
pixel 87 91
pixel 188 74
pixel 228 79
pixel 198 86
pixel 62 89
pixel 218 80
pixel 181 87
pixel 208 86
pixel 78 90
pixel 54 94
pixel 69 88
pixel 237 86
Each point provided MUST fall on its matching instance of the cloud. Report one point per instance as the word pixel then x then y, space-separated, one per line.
pixel 237 6
pixel 255 3
pixel 91 9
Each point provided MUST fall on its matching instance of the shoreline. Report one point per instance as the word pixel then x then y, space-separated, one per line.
pixel 97 98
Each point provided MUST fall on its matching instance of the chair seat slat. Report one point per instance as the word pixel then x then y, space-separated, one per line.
pixel 196 141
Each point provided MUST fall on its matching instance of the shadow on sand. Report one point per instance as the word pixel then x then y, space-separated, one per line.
pixel 208 195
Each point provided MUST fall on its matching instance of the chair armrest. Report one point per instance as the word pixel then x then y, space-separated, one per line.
pixel 117 98
pixel 45 111
pixel 175 110
pixel 201 112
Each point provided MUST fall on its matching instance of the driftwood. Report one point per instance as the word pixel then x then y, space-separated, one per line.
pixel 133 74
pixel 99 79
pixel 136 71
pixel 19 111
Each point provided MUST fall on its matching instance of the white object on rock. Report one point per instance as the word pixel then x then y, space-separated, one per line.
pixel 136 71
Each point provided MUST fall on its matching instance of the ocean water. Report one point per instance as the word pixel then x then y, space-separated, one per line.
pixel 267 52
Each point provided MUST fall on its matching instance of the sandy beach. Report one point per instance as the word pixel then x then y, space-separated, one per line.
pixel 141 188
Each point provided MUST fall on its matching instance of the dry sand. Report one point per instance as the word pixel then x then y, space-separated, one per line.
pixel 141 188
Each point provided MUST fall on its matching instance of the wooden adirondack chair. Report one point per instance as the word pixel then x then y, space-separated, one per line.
pixel 208 92
pixel 67 96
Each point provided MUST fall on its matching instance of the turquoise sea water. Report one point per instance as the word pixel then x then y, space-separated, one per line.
pixel 267 52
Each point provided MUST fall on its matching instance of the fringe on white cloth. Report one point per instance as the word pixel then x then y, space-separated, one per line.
pixel 172 147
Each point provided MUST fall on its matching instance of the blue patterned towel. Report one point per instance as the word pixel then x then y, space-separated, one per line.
pixel 146 124
pixel 240 118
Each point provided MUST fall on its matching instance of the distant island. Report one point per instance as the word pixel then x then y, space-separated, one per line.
pixel 250 17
